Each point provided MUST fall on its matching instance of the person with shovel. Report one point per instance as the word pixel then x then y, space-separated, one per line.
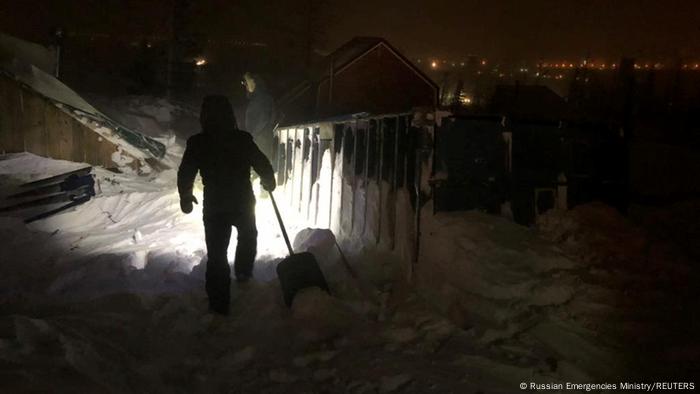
pixel 224 155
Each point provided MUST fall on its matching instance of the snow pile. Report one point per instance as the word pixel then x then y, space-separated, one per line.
pixel 166 122
pixel 27 167
pixel 600 235
pixel 579 295
pixel 347 277
pixel 593 232
pixel 488 272
pixel 130 237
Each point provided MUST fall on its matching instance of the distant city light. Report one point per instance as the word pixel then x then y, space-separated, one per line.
pixel 502 71
pixel 200 61
pixel 465 99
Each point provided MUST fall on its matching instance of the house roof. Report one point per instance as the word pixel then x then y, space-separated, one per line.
pixel 354 49
pixel 347 53
pixel 344 56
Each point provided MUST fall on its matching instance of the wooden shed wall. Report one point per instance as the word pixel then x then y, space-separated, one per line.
pixel 378 82
pixel 29 122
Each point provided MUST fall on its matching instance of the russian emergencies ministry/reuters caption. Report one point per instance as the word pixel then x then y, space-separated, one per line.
pixel 627 386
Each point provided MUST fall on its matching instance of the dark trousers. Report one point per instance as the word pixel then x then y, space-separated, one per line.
pixel 217 230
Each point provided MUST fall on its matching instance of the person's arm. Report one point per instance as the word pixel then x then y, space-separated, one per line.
pixel 186 175
pixel 267 113
pixel 253 118
pixel 262 166
pixel 260 115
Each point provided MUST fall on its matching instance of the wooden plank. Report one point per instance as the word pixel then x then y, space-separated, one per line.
pixel 33 124
pixel 380 178
pixel 60 133
pixel 94 149
pixel 98 150
pixel 65 134
pixel 19 140
pixel 352 177
pixel 78 151
pixel 13 138
pixel 107 148
pixel 5 116
pixel 92 144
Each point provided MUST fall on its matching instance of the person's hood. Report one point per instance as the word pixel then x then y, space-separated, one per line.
pixel 217 115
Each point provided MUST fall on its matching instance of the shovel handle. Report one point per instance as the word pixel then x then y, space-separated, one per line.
pixel 279 219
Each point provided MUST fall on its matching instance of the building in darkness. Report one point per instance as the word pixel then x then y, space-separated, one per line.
pixel 366 74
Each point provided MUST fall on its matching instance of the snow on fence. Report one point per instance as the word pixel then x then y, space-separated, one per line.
pixel 31 122
pixel 358 176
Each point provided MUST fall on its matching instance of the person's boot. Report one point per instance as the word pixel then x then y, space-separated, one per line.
pixel 219 308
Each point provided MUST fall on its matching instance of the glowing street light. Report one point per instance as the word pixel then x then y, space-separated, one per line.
pixel 433 64
pixel 200 61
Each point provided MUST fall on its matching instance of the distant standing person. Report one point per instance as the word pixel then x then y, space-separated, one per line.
pixel 223 155
pixel 261 114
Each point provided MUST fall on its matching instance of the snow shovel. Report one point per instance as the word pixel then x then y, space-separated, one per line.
pixel 299 270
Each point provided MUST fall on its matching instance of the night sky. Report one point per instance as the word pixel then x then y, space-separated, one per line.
pixel 509 29
pixel 528 29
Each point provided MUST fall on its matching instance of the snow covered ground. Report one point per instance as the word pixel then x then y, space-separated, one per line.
pixel 593 295
pixel 109 297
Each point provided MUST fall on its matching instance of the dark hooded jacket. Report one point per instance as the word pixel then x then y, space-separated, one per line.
pixel 223 155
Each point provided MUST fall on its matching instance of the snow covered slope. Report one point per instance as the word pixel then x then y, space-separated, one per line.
pixel 109 297
pixel 585 291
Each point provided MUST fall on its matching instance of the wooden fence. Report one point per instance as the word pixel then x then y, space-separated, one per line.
pixel 357 176
pixel 32 123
